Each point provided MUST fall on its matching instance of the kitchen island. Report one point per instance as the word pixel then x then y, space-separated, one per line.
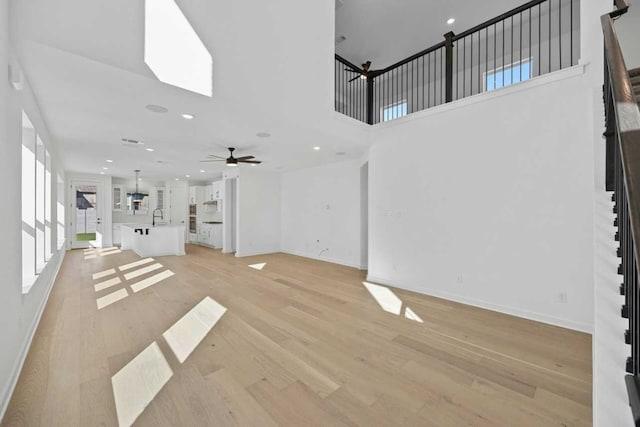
pixel 148 241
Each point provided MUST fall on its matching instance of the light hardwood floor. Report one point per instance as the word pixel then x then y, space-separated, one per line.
pixel 302 343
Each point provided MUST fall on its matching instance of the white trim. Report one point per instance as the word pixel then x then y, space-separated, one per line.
pixel 545 79
pixel 240 254
pixel 8 392
pixel 525 314
pixel 325 259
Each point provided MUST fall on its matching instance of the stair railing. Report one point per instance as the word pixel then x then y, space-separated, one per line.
pixel 536 38
pixel 623 178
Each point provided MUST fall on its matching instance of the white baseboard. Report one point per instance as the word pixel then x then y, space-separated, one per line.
pixel 240 254
pixel 513 311
pixel 327 259
pixel 6 397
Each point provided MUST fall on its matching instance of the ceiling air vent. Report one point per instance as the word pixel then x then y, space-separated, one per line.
pixel 131 142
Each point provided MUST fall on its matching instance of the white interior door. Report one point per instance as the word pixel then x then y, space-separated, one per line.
pixel 86 214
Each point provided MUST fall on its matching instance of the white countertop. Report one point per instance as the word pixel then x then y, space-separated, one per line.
pixel 133 225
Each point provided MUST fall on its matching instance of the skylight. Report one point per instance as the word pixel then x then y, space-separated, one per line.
pixel 173 50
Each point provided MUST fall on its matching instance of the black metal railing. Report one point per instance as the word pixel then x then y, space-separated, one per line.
pixel 536 38
pixel 623 178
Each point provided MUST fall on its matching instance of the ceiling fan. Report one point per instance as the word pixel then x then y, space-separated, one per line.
pixel 363 73
pixel 231 161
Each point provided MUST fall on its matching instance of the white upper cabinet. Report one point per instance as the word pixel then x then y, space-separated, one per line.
pixel 219 190
pixel 118 193
pixel 192 195
pixel 209 193
pixel 159 198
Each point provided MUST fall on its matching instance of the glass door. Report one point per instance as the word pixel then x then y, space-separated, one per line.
pixel 86 219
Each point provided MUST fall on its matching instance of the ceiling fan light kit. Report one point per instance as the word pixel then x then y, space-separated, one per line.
pixel 232 161
pixel 363 73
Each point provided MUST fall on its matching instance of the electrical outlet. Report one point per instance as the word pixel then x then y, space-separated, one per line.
pixel 459 279
pixel 563 298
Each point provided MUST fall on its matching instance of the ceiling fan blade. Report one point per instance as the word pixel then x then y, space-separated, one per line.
pixel 352 70
pixel 355 78
pixel 257 162
pixel 217 157
pixel 245 158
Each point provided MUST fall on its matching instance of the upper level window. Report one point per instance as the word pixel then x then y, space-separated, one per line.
pixel 508 75
pixel 394 111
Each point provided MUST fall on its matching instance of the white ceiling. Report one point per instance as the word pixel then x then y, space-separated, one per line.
pixel 386 32
pixel 272 72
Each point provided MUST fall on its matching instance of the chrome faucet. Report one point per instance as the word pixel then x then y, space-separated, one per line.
pixel 154 216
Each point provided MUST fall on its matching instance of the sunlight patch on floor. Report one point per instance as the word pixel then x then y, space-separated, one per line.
pixel 150 281
pixel 107 284
pixel 104 273
pixel 109 299
pixel 135 264
pixel 138 383
pixel 259 266
pixel 123 278
pixel 185 335
pixel 141 271
pixel 389 301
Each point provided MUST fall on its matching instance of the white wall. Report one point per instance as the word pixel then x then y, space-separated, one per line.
pixel 321 213
pixel 19 313
pixel 258 212
pixel 491 203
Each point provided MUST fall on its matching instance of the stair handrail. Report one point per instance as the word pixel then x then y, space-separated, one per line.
pixel 623 128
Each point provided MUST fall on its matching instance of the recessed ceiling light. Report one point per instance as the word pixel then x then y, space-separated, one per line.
pixel 177 179
pixel 253 164
pixel 109 161
pixel 187 116
pixel 263 134
pixel 105 168
pixel 316 148
pixel 450 21
pixel 101 173
pixel 156 108
pixel 187 176
pixel 149 149
pixel 202 170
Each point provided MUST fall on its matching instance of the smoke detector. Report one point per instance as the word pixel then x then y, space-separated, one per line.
pixel 340 39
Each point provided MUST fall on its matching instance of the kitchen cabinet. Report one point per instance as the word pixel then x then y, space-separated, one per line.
pixel 219 190
pixel 210 235
pixel 158 198
pixel 209 193
pixel 217 235
pixel 116 234
pixel 200 195
pixel 117 196
pixel 205 235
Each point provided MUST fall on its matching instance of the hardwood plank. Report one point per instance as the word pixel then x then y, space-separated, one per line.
pixel 302 343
